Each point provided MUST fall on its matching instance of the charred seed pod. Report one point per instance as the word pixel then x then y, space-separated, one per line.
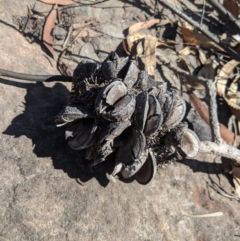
pixel 118 168
pixel 72 113
pixel 112 130
pixel 109 66
pixel 84 70
pixel 129 73
pixel 147 171
pixel 119 113
pixel 154 116
pixel 142 81
pixel 132 144
pixel 141 110
pixel 82 135
pixel 121 110
pixel 190 143
pixel 176 114
pixel 109 95
pixel 130 170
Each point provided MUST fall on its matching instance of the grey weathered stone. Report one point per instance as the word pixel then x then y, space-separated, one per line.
pixel 40 194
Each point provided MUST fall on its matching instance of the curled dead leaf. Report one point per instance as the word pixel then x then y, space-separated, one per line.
pixel 195 38
pixel 223 76
pixel 144 45
pixel 48 27
pixel 132 40
pixel 149 58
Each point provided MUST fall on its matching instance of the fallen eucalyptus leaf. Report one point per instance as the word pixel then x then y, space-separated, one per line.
pixel 147 171
pixel 195 38
pixel 47 30
pixel 223 76
pixel 149 55
pixel 202 110
pixel 232 7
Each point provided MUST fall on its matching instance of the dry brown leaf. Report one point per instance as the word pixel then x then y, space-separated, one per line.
pixel 140 48
pixel 235 112
pixel 194 84
pixel 132 40
pixel 223 75
pixel 59 2
pixel 129 44
pixel 149 55
pixel 125 47
pixel 187 50
pixel 227 135
pixel 48 27
pixel 232 7
pixel 202 57
pixel 195 38
pixel 142 25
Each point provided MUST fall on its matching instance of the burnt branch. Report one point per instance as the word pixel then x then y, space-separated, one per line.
pixel 32 77
pixel 218 146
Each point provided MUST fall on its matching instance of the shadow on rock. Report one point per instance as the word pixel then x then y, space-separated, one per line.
pixel 42 104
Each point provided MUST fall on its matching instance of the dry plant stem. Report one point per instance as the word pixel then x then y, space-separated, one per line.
pixel 215 39
pixel 212 105
pixel 203 12
pixel 221 149
pixel 220 8
pixel 218 147
pixel 37 78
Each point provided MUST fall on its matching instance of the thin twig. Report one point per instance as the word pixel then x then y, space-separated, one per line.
pixel 221 149
pixel 203 12
pixel 215 39
pixel 208 215
pixel 221 9
pixel 68 36
pixel 37 78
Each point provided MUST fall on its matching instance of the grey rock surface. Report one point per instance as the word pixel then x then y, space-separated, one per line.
pixel 47 193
